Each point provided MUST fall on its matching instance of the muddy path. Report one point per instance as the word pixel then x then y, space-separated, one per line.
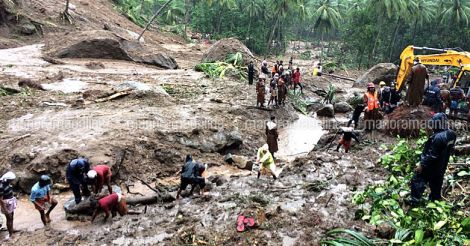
pixel 166 115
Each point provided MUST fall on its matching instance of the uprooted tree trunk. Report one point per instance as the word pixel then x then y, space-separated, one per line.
pixel 153 18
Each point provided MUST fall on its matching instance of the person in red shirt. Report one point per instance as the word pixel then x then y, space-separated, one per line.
pixel 98 176
pixel 296 80
pixel 114 203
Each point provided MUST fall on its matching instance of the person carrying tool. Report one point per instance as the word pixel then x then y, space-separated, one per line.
pixel 192 174
pixel 98 176
pixel 372 113
pixel 416 81
pixel 434 160
pixel 42 199
pixel 76 172
pixel 8 201
pixel 266 161
pixel 348 134
pixel 114 203
pixel 432 97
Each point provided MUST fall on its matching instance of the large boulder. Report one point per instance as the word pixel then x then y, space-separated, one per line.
pixel 102 44
pixel 215 141
pixel 327 111
pixel 343 107
pixel 381 72
pixel 224 47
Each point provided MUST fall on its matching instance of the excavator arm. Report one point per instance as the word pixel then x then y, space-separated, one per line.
pixel 446 57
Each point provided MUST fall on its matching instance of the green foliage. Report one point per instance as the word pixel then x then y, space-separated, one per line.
pixel 338 237
pixel 306 55
pixel 297 101
pixel 330 95
pixel 437 223
pixel 232 66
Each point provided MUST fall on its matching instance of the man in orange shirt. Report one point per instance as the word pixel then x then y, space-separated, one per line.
pixel 371 101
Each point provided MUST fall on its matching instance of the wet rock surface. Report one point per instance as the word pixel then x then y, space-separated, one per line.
pixel 326 111
pixel 381 72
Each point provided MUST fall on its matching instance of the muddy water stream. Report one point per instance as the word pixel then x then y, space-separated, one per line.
pixel 299 138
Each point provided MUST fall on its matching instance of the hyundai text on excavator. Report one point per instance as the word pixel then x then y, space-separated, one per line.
pixel 445 57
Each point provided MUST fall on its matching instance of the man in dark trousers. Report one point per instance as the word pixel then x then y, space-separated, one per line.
pixel 346 139
pixel 432 97
pixel 191 174
pixel 416 81
pixel 434 161
pixel 76 173
pixel 251 72
pixel 356 115
pixel 272 136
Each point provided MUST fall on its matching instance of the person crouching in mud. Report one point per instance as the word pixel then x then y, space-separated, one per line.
pixel 267 164
pixel 191 174
pixel 114 203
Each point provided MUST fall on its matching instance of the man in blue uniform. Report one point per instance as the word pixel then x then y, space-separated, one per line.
pixel 434 160
pixel 76 173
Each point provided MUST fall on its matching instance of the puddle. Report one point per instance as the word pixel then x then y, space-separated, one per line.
pixel 66 86
pixel 299 138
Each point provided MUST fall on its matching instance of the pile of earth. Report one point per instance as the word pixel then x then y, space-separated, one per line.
pixel 103 44
pixel 407 121
pixel 224 47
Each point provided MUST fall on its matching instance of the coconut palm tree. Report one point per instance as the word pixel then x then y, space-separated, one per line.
pixel 456 13
pixel 326 19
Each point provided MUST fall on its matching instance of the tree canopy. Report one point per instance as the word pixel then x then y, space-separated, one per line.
pixel 358 32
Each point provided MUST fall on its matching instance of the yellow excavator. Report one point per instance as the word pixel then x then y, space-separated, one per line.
pixel 444 57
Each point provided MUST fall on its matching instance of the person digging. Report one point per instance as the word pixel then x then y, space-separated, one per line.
pixel 346 139
pixel 42 199
pixel 192 174
pixel 98 176
pixel 114 203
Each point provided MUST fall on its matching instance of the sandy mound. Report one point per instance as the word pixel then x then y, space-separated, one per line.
pixel 224 47
pixel 103 44
pixel 406 121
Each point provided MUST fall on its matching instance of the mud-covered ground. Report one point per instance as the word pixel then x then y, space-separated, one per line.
pixel 157 117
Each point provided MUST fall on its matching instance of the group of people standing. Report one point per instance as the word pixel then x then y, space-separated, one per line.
pixel 278 80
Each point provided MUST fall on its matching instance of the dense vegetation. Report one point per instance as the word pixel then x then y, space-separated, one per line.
pixel 360 32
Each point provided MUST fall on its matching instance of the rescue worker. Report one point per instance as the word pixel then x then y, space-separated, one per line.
pixel 348 134
pixel 275 69
pixel 76 172
pixel 445 99
pixel 266 161
pixel 251 73
pixel 8 201
pixel 457 95
pixel 297 80
pixel 416 81
pixel 272 136
pixel 98 176
pixel 432 97
pixel 372 113
pixel 382 85
pixel 42 199
pixel 356 115
pixel 396 97
pixel 114 203
pixel 386 99
pixel 192 174
pixel 434 160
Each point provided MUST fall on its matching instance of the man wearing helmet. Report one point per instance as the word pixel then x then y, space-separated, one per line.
pixel 434 160
pixel 42 199
pixel 371 101
pixel 98 176
pixel 76 172
pixel 8 200
pixel 192 174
